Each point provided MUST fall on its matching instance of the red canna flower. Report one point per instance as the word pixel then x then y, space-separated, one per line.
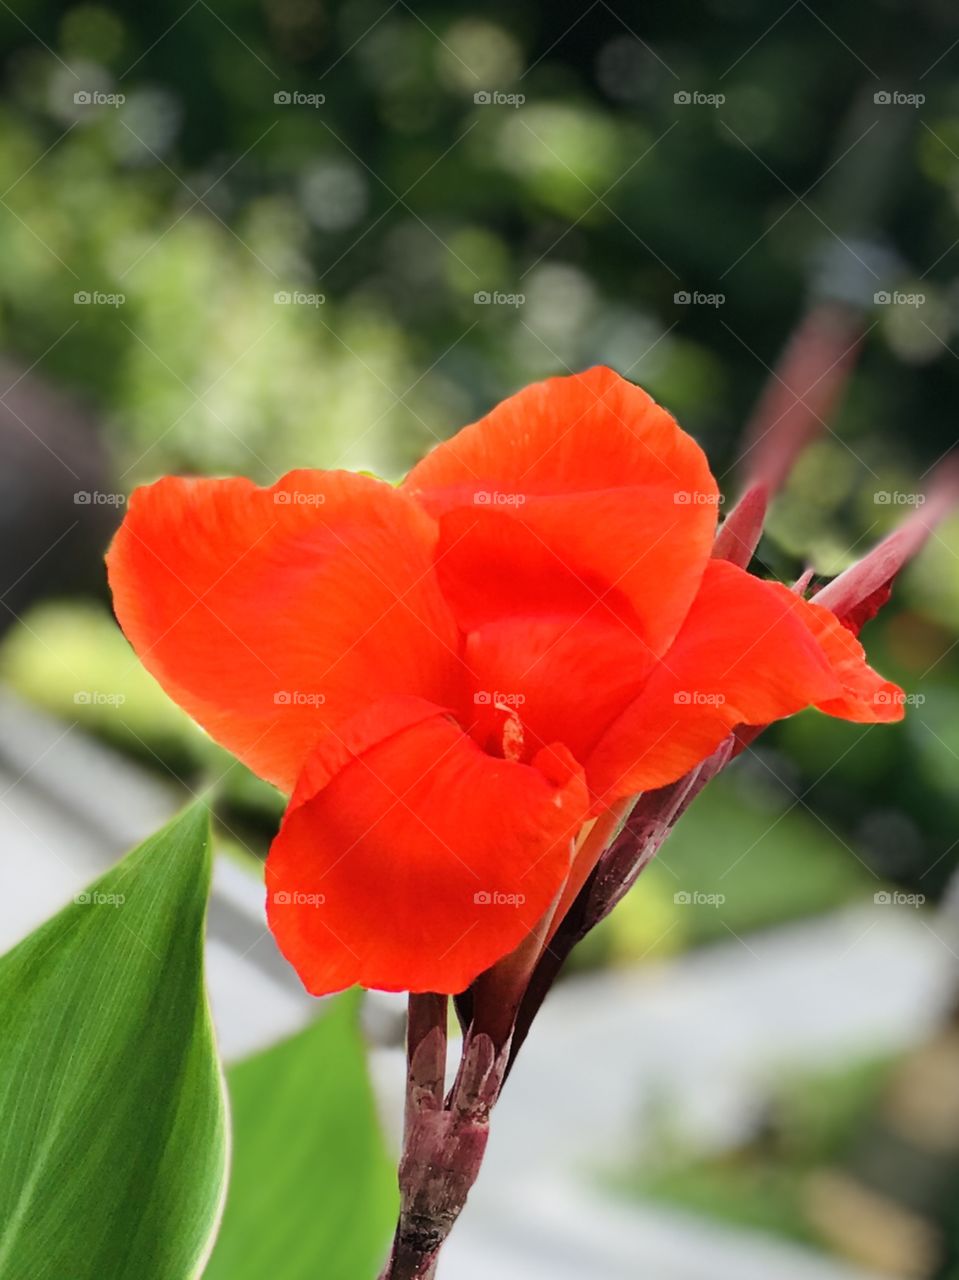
pixel 452 677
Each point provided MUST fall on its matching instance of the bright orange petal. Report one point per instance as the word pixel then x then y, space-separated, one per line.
pixel 558 678
pixel 575 491
pixel 579 434
pixel 866 696
pixel 743 656
pixel 411 860
pixel 272 614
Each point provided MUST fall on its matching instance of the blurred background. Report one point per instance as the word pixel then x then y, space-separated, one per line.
pixel 243 237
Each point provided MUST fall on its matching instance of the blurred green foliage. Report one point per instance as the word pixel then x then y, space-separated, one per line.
pixel 809 1122
pixel 399 197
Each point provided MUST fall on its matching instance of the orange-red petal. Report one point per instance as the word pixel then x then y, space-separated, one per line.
pixel 865 696
pixel 273 614
pixel 576 491
pixel 411 860
pixel 743 656
pixel 749 652
pixel 557 678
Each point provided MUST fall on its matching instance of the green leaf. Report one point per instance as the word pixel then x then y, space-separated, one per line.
pixel 112 1117
pixel 312 1191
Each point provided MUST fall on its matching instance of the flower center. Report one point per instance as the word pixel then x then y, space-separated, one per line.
pixel 512 733
pixel 496 726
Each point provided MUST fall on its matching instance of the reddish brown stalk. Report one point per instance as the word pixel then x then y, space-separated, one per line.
pixel 793 409
pixel 444 1141
pixel 802 393
pixel 861 590
pixel 739 533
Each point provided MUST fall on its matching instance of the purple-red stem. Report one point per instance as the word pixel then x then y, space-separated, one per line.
pixel 444 1139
